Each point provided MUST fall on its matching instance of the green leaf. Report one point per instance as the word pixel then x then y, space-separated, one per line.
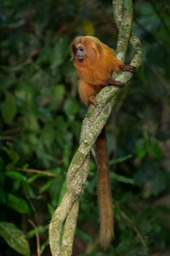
pixel 140 148
pixel 15 238
pixel 48 134
pixel 119 160
pixel 15 175
pixel 122 179
pixel 71 107
pixel 158 183
pixel 45 187
pixel 83 235
pixel 18 204
pixel 31 119
pixel 59 91
pixel 57 96
pixel 13 155
pixel 39 229
pixel 154 149
pixel 9 108
pixel 60 51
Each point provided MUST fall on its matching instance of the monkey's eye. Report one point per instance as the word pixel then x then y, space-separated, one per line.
pixel 81 48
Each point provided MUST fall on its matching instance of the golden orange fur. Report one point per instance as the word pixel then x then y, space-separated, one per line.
pixel 95 67
pixel 95 63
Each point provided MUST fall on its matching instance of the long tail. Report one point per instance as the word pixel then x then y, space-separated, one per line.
pixel 104 192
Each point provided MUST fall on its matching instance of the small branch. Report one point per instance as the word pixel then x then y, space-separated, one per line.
pixel 135 228
pixel 28 170
pixel 37 237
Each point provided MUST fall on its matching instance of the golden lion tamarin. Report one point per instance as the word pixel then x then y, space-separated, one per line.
pixel 95 63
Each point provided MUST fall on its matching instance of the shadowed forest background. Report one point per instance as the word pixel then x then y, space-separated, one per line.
pixel 40 121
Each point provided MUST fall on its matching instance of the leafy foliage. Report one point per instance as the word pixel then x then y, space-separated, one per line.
pixel 40 120
pixel 15 238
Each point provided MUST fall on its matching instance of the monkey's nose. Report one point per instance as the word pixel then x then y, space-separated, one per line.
pixel 80 53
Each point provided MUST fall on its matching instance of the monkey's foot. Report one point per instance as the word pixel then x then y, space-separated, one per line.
pixel 128 68
pixel 92 100
pixel 113 82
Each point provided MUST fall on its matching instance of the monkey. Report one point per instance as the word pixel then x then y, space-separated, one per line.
pixel 95 62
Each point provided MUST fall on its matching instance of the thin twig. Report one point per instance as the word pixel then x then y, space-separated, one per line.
pixel 37 237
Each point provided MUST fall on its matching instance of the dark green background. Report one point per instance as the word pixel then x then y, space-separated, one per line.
pixel 40 121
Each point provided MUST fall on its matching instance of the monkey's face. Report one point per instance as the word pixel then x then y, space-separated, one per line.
pixel 79 51
pixel 85 50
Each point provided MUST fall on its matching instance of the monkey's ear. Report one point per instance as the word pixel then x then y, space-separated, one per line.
pixel 99 47
pixel 73 47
